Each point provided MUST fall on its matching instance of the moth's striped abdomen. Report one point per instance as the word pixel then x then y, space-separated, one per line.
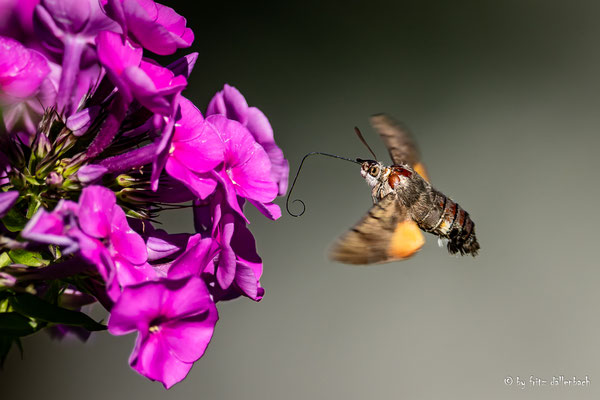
pixel 450 221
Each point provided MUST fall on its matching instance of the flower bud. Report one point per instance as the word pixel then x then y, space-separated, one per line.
pixel 54 179
pixel 124 180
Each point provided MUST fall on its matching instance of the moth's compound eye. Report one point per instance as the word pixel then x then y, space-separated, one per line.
pixel 374 171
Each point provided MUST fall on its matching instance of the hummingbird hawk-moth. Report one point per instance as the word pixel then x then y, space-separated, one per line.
pixel 404 204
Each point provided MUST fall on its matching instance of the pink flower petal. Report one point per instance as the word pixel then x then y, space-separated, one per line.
pixel 202 153
pixel 155 361
pixel 184 298
pixel 21 70
pixel 202 185
pixel 247 165
pixel 199 252
pixel 269 210
pixel 156 27
pixel 247 281
pixel 191 119
pixel 136 308
pixel 188 338
pixel 95 210
pixel 128 274
pixel 227 263
pixel 124 240
pixel 216 105
pixel 235 103
pixel 7 200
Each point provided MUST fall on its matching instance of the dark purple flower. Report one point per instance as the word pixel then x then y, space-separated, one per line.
pixel 69 28
pixel 59 20
pixel 60 332
pixel 22 71
pixel 175 320
pixel 16 20
pixel 80 121
pixel 232 104
pixel 90 173
pixel 156 27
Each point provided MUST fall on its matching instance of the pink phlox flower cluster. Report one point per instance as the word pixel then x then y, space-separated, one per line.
pixel 98 141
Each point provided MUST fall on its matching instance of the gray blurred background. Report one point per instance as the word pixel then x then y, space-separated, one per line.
pixel 504 100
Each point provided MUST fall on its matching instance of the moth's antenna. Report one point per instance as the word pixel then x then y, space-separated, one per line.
pixel 362 139
pixel 287 202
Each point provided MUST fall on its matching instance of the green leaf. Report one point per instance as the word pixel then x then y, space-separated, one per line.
pixel 34 205
pixel 34 307
pixel 14 324
pixel 26 257
pixel 14 221
pixel 31 180
pixel 5 259
pixel 70 185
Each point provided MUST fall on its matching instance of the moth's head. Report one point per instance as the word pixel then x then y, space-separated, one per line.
pixel 371 170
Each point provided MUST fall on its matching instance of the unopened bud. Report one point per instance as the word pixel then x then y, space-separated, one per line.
pixel 126 180
pixel 42 146
pixel 54 179
pixel 130 195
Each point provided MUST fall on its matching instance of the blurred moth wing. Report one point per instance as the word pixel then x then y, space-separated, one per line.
pixel 386 233
pixel 399 142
